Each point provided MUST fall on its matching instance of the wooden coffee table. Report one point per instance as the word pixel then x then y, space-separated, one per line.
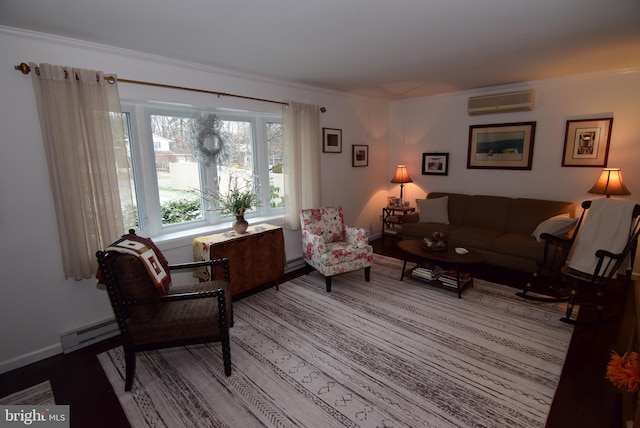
pixel 416 253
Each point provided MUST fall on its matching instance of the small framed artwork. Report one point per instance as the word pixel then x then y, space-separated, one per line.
pixel 435 163
pixel 503 146
pixel 586 142
pixel 331 140
pixel 391 201
pixel 360 155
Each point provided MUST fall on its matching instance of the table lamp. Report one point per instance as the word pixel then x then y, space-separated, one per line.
pixel 610 183
pixel 402 176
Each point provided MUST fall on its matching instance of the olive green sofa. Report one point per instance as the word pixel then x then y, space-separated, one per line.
pixel 500 228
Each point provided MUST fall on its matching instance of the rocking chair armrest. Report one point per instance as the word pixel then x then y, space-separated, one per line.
pixel 604 253
pixel 554 248
pixel 549 238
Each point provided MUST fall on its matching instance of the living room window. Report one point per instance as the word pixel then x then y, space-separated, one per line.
pixel 180 153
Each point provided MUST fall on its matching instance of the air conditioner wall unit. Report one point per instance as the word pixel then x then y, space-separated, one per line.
pixel 501 103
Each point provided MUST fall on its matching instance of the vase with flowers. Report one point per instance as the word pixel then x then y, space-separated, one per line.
pixel 436 241
pixel 240 196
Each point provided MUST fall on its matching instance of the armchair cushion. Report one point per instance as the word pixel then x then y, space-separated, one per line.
pixel 357 236
pixel 185 319
pixel 326 222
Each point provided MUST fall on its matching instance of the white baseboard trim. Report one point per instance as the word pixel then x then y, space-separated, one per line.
pixel 30 358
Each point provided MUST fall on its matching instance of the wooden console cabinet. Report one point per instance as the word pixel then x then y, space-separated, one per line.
pixel 256 257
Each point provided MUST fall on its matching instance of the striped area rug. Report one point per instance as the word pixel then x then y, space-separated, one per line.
pixel 36 395
pixel 379 354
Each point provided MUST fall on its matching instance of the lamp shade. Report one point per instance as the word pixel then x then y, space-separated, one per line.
pixel 402 175
pixel 610 183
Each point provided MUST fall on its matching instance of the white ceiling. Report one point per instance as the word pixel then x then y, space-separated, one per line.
pixel 390 49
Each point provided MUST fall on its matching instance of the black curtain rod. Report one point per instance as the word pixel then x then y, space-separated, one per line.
pixel 26 69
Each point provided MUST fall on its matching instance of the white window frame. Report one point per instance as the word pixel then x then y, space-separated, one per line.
pixel 144 167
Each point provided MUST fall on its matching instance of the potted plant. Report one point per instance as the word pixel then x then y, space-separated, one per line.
pixel 241 195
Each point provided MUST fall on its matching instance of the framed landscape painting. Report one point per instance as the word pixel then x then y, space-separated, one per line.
pixel 435 163
pixel 586 142
pixel 502 146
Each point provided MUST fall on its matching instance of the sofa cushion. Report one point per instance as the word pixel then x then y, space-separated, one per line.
pixel 420 230
pixel 556 225
pixel 516 244
pixel 487 212
pixel 473 237
pixel 434 210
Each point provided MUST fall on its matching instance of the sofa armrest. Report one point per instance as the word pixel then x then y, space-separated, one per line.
pixel 357 236
pixel 411 218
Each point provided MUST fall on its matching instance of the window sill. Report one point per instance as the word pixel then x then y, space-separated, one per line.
pixel 168 241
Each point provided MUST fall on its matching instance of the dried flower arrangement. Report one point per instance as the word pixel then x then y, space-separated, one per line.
pixel 239 197
pixel 435 241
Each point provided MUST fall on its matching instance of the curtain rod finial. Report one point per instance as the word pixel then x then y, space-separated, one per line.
pixel 322 109
pixel 23 67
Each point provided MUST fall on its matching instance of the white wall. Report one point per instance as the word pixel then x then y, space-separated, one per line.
pixel 441 124
pixel 36 302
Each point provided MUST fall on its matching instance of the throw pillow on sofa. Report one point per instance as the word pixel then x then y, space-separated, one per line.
pixel 556 225
pixel 434 210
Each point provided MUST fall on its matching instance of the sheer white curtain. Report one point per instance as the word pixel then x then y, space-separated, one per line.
pixel 302 148
pixel 84 141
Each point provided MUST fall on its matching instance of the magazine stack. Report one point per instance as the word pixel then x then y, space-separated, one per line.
pixel 448 278
pixel 428 272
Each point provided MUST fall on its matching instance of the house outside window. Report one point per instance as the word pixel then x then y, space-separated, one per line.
pixel 179 155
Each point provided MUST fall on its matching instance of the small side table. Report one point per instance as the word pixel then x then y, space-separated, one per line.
pixel 392 219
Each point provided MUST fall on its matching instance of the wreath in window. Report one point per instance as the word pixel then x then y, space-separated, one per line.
pixel 210 141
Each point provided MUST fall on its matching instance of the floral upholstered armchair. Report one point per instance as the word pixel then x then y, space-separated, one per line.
pixel 331 247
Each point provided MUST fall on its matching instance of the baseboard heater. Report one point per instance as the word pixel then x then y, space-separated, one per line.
pixel 293 265
pixel 82 337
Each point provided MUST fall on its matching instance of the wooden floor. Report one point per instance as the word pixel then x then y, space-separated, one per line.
pixel 583 399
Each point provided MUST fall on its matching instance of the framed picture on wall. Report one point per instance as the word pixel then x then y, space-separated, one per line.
pixel 331 140
pixel 502 146
pixel 435 163
pixel 360 155
pixel 586 142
